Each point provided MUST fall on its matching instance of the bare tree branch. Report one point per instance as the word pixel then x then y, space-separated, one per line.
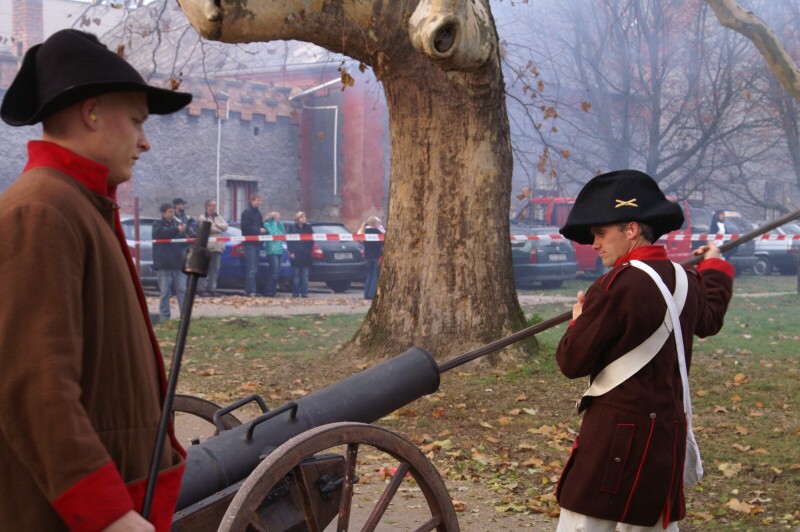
pixel 731 15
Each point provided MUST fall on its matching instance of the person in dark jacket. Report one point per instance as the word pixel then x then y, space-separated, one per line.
pixel 168 259
pixel 300 255
pixel 184 218
pixel 252 225
pixel 627 463
pixel 372 254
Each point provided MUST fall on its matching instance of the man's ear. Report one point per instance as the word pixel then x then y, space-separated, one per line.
pixel 89 113
pixel 633 230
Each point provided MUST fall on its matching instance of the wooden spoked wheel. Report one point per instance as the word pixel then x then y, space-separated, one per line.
pixel 204 409
pixel 283 465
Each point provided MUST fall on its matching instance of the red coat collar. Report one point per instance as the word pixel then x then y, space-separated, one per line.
pixel 644 253
pixel 90 174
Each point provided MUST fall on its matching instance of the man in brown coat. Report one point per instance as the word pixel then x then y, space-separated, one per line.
pixel 82 376
pixel 627 463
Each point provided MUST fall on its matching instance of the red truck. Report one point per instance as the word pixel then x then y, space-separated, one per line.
pixel 679 243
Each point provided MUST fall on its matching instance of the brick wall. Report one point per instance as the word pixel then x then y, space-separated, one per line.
pixel 27 24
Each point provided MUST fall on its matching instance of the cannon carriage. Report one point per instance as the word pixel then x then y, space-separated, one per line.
pixel 295 467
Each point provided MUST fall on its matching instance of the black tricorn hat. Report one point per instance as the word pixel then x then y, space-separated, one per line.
pixel 618 197
pixel 71 66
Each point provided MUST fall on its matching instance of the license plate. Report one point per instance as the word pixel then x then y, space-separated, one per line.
pixel 342 256
pixel 558 257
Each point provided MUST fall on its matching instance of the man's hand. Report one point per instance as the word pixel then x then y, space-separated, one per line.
pixel 263 230
pixel 131 521
pixel 577 308
pixel 182 228
pixel 709 251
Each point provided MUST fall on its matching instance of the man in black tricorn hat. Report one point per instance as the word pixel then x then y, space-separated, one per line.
pixel 82 375
pixel 635 448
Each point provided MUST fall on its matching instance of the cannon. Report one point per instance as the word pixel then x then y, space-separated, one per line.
pixel 294 468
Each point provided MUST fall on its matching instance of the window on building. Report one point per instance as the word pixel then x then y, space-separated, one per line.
pixel 238 198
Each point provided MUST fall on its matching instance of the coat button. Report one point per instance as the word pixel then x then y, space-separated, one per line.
pixel 653 415
pixel 618 459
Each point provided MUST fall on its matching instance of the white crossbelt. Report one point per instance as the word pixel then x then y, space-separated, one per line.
pixel 628 364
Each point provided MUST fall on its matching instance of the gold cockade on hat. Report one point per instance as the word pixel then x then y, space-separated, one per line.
pixel 623 203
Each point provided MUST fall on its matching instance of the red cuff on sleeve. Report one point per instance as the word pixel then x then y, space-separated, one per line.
pixel 717 264
pixel 95 501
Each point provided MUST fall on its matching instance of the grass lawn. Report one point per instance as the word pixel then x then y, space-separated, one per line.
pixel 510 429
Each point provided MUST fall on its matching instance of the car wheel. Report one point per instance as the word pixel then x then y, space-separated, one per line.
pixel 338 286
pixel 553 284
pixel 763 266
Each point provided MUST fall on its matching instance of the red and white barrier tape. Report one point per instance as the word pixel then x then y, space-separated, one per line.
pixel 346 237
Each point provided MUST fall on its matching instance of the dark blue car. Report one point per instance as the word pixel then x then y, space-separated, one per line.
pixel 231 270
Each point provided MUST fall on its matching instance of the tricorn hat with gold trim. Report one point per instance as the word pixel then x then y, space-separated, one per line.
pixel 619 197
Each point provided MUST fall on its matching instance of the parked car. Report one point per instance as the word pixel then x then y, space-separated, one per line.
pixel 336 263
pixel 780 255
pixel 743 256
pixel 231 272
pixel 147 275
pixel 232 268
pixel 545 260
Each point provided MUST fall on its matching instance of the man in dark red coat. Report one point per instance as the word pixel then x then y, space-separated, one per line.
pixel 626 466
pixel 82 380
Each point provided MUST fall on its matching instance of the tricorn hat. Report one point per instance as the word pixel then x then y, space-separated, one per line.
pixel 70 66
pixel 618 197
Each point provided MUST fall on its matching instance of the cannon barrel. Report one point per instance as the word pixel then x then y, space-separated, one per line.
pixel 365 397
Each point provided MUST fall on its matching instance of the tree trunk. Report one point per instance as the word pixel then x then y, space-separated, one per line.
pixel 446 282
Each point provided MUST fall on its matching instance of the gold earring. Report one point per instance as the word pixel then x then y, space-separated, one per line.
pixel 93 117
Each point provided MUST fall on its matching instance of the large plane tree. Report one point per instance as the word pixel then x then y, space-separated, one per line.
pixel 446 282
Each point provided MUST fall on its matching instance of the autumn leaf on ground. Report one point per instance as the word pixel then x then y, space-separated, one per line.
pixel 742 448
pixel 729 469
pixel 515 412
pixel 207 372
pixel 740 378
pixel 740 506
pixel 504 420
pixel 437 413
pixel 459 506
pixel 486 425
pixel 533 462
pixel 492 440
pixel 522 397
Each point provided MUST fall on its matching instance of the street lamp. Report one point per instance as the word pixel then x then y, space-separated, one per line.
pixel 227 97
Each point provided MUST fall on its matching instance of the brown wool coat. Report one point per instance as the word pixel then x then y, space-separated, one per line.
pixel 627 461
pixel 80 382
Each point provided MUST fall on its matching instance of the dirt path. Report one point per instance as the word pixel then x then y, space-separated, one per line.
pixel 282 305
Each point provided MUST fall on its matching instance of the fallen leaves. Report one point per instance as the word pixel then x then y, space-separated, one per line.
pixel 729 469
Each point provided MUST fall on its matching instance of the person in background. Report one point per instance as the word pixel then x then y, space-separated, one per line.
pixel 168 260
pixel 82 377
pixel 274 227
pixel 208 285
pixel 717 224
pixel 300 255
pixel 183 218
pixel 252 225
pixel 372 254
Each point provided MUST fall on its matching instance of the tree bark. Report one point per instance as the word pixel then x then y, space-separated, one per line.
pixel 446 282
